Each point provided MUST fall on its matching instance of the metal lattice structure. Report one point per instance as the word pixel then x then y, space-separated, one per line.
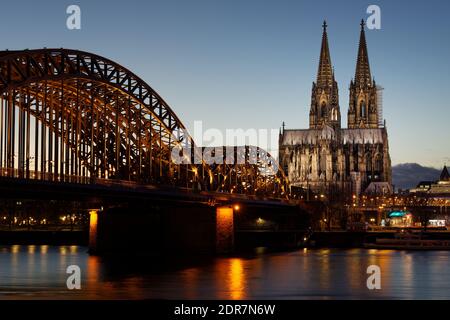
pixel 73 116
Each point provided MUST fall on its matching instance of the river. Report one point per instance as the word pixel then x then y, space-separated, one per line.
pixel 39 272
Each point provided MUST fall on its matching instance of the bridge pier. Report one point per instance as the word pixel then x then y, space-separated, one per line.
pixel 162 229
pixel 93 226
pixel 224 229
pixel 193 228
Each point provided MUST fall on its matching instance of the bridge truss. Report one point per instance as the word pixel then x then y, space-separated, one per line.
pixel 73 116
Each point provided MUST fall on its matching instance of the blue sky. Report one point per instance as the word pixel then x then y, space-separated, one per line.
pixel 250 64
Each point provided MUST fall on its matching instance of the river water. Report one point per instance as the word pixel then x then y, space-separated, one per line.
pixel 39 272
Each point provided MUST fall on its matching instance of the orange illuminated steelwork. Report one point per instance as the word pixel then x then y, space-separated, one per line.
pixel 86 119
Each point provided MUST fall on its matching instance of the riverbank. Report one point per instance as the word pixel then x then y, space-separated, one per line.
pixel 44 237
pixel 345 239
pixel 321 239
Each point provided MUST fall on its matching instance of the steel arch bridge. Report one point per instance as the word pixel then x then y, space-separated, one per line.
pixel 73 116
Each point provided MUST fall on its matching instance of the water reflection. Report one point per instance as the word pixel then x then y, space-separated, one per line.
pixel 191 278
pixel 15 249
pixel 236 279
pixel 40 272
pixel 31 249
pixel 44 249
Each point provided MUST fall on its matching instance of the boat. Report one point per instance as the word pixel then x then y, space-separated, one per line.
pixel 408 241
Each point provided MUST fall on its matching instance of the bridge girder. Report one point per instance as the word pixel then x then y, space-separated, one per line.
pixel 81 117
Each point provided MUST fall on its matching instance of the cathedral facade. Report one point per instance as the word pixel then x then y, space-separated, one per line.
pixel 328 158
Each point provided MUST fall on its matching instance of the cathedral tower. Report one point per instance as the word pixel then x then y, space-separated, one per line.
pixel 363 104
pixel 334 161
pixel 325 98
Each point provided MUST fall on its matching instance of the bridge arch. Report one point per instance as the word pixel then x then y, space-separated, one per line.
pixel 74 116
pixel 90 117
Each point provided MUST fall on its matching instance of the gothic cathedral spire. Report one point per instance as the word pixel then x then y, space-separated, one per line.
pixel 362 73
pixel 325 97
pixel 363 104
pixel 325 72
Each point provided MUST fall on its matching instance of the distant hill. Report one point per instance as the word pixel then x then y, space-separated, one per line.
pixel 408 175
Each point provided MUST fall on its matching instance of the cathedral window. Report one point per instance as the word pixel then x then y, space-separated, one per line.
pixel 379 164
pixel 347 164
pixel 363 109
pixel 355 159
pixel 310 164
pixel 323 162
pixel 334 162
pixel 369 165
pixel 323 109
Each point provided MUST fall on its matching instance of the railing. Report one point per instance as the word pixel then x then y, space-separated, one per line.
pixel 14 173
pixel 43 176
pixel 67 178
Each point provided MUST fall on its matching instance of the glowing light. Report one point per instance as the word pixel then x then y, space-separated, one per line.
pixel 397 214
pixel 93 217
pixel 236 279
pixel 237 207
pixel 93 220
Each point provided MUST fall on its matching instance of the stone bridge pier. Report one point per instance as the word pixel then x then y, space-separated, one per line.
pixel 192 228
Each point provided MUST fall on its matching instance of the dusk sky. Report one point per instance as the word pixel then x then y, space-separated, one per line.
pixel 250 64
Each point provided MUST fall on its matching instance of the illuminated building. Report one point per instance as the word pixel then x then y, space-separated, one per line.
pixel 441 187
pixel 327 157
pixel 437 188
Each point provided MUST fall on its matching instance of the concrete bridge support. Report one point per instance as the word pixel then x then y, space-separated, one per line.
pixel 162 229
pixel 224 229
pixel 190 228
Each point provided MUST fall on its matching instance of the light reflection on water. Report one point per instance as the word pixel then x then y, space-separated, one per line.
pixel 39 272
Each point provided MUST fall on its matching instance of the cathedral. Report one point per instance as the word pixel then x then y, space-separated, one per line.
pixel 327 158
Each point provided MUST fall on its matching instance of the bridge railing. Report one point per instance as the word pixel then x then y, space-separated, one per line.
pixel 15 173
pixel 42 176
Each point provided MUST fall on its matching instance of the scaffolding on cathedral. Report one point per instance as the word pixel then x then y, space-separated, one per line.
pixel 380 105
